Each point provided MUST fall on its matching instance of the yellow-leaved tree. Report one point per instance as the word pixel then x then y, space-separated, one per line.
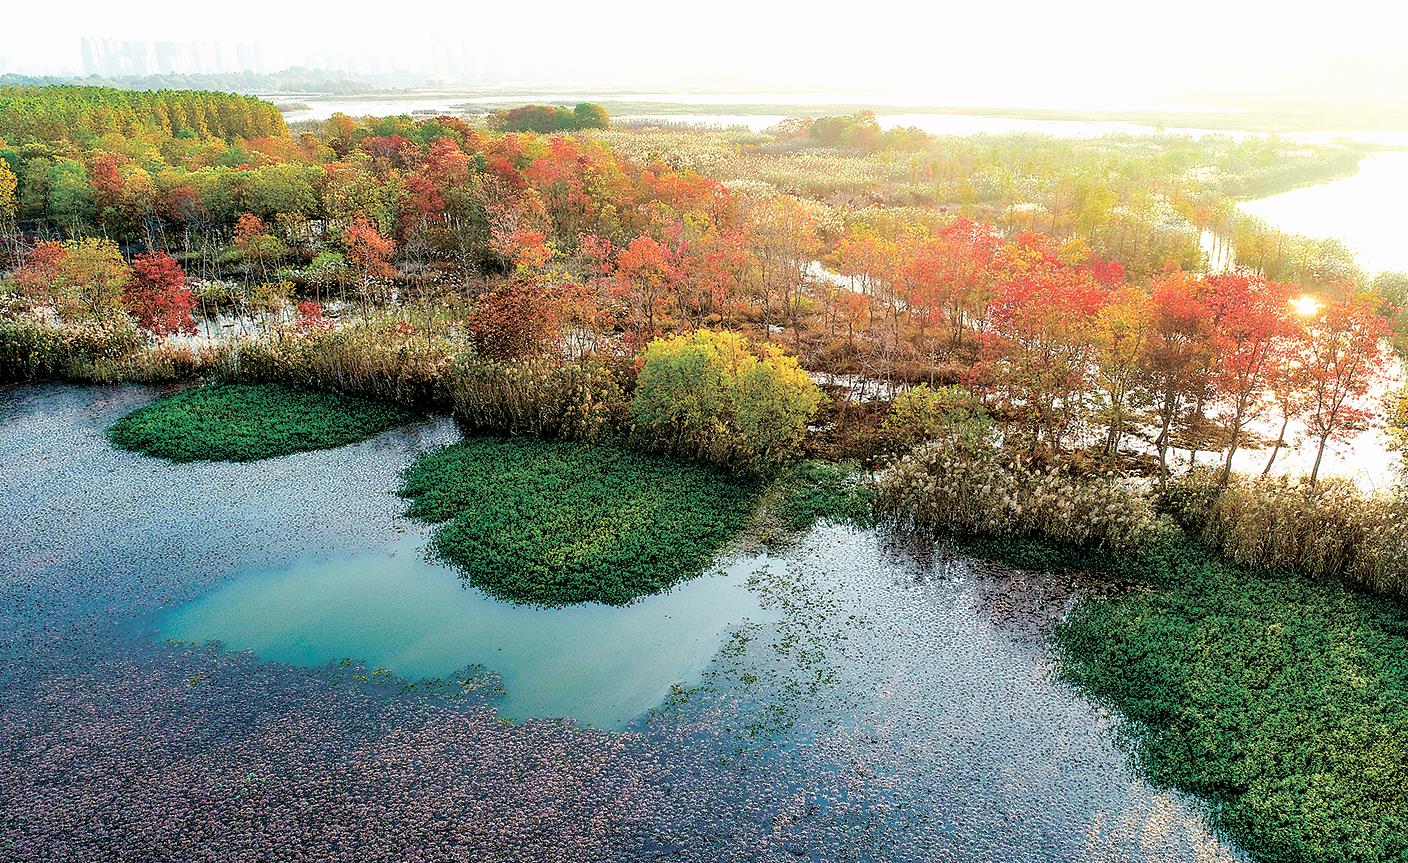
pixel 713 395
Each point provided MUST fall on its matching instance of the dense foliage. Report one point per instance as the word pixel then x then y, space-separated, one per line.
pixel 711 395
pixel 558 522
pixel 83 114
pixel 551 118
pixel 1330 530
pixel 1280 699
pixel 245 422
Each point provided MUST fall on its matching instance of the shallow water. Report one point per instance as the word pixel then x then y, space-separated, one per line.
pixel 391 608
pixel 888 704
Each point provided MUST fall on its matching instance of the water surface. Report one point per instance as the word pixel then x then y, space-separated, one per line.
pixel 390 607
pixel 1359 210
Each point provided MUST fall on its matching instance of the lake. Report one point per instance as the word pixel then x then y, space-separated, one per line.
pixel 1359 210
pixel 849 698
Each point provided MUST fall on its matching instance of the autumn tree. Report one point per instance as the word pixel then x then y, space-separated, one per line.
pixel 370 253
pixel 1121 332
pixel 947 277
pixel 649 274
pixel 784 244
pixel 80 279
pixel 8 200
pixel 157 297
pixel 1177 355
pixel 1040 341
pixel 1344 358
pixel 1249 320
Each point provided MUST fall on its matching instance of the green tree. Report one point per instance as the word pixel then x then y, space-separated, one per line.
pixel 71 200
pixel 590 115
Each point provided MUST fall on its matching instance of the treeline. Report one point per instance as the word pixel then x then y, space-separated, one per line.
pixel 531 247
pixel 83 114
pixel 547 119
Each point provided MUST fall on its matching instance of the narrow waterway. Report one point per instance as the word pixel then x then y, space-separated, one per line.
pixel 1360 211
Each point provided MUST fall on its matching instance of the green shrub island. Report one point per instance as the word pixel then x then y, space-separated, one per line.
pixel 558 522
pixel 246 422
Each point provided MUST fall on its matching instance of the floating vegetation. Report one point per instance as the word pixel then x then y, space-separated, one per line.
pixel 247 422
pixel 560 522
pixel 1281 699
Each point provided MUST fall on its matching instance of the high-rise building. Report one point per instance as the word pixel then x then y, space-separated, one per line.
pixel 131 58
pixel 168 58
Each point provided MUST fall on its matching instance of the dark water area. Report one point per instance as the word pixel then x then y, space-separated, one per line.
pixel 860 702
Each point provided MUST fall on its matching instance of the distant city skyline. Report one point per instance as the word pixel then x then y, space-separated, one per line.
pixel 1097 54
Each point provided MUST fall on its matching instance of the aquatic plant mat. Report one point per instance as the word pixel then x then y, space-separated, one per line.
pixel 1280 699
pixel 247 422
pixel 559 522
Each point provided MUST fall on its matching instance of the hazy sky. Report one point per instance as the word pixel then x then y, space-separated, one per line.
pixel 1087 53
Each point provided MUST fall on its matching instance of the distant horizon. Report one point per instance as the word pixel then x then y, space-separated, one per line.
pixel 1091 55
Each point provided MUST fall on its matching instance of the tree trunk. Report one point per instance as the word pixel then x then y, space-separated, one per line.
pixel 1276 448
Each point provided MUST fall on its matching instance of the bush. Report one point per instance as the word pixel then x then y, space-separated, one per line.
pixel 921 414
pixel 582 402
pixel 952 487
pixel 559 522
pixel 711 396
pixel 1328 530
pixel 245 422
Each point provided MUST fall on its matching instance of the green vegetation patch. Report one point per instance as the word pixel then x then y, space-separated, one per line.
pixel 246 422
pixel 558 522
pixel 1280 699
pixel 816 490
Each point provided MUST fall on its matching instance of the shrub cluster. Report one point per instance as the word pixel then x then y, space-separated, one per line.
pixel 711 395
pixel 245 422
pixel 922 413
pixel 559 522
pixel 1328 530
pixel 958 487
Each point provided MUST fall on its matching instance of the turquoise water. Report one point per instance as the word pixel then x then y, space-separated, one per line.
pixel 390 608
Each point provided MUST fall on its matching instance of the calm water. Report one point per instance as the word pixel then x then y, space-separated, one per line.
pixel 390 608
pixel 1362 211
pixel 890 704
